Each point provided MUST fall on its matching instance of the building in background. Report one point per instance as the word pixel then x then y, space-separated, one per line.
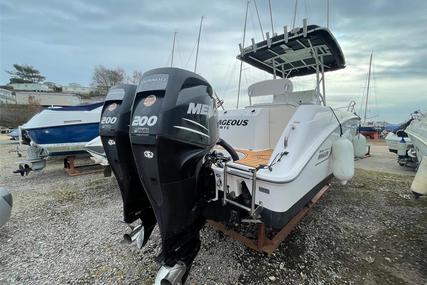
pixel 35 87
pixel 47 99
pixel 7 97
pixel 77 89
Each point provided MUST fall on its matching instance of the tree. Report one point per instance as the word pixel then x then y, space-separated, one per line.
pixel 25 74
pixel 135 78
pixel 104 78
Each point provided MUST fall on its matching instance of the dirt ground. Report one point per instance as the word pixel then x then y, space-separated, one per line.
pixel 67 230
pixel 381 159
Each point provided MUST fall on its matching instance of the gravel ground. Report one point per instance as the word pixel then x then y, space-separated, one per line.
pixel 67 230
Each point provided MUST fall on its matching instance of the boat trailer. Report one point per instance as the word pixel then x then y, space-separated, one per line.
pixel 262 243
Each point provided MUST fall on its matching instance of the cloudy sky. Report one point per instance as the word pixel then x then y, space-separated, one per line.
pixel 65 40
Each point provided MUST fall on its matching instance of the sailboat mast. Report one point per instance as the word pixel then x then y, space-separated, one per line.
pixel 173 47
pixel 367 88
pixel 198 42
pixel 241 61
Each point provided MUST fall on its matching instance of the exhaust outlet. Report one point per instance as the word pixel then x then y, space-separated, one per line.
pixel 133 235
pixel 171 275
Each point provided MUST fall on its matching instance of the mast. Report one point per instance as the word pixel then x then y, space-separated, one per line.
pixel 367 88
pixel 327 15
pixel 173 47
pixel 198 43
pixel 295 14
pixel 259 20
pixel 271 18
pixel 242 47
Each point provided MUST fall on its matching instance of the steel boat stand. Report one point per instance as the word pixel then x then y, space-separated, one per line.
pixel 262 243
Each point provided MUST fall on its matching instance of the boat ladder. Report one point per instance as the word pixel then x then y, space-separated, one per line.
pixel 245 172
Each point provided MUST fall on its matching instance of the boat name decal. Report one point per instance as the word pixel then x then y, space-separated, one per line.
pixel 108 120
pixel 144 120
pixel 323 153
pixel 225 124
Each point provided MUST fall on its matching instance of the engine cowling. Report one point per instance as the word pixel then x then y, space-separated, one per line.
pixel 173 126
pixel 114 133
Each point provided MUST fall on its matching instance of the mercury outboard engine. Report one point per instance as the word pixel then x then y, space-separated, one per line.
pixel 173 127
pixel 114 132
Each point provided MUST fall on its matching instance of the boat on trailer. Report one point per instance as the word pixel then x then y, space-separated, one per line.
pixel 261 164
pixel 58 132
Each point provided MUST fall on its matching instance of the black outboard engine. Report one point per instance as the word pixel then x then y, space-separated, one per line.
pixel 114 132
pixel 173 127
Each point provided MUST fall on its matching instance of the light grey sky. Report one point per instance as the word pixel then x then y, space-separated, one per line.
pixel 66 39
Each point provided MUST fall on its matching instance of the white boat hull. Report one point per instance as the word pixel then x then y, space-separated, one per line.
pixel 300 174
pixel 417 132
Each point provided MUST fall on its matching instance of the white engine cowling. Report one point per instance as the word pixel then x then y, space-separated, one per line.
pixel 343 160
pixel 359 145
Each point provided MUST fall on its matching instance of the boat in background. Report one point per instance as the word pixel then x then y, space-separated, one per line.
pixel 96 150
pixel 58 132
pixel 417 132
pixel 63 131
pixel 399 142
pixel 14 134
pixel 370 129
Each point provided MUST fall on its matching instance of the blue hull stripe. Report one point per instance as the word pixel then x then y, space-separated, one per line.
pixel 65 134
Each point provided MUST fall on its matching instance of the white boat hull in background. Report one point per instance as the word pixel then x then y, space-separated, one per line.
pixel 417 132
pixel 96 150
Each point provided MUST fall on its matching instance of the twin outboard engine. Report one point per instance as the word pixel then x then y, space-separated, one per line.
pixel 114 132
pixel 173 127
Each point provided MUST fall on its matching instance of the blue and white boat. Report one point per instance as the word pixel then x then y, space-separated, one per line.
pixel 63 131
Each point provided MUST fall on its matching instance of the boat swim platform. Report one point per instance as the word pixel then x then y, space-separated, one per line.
pixel 254 158
pixel 262 243
pixel 72 169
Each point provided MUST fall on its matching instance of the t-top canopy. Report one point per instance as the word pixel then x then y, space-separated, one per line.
pixel 294 53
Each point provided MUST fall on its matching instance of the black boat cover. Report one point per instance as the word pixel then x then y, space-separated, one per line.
pixel 294 56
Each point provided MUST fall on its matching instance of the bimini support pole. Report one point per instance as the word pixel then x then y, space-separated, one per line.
pixel 242 48
pixel 323 80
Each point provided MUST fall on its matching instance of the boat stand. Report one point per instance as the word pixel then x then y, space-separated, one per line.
pixel 262 243
pixel 73 170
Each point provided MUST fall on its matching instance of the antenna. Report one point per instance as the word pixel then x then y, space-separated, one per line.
pixel 173 47
pixel 198 43
pixel 242 48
